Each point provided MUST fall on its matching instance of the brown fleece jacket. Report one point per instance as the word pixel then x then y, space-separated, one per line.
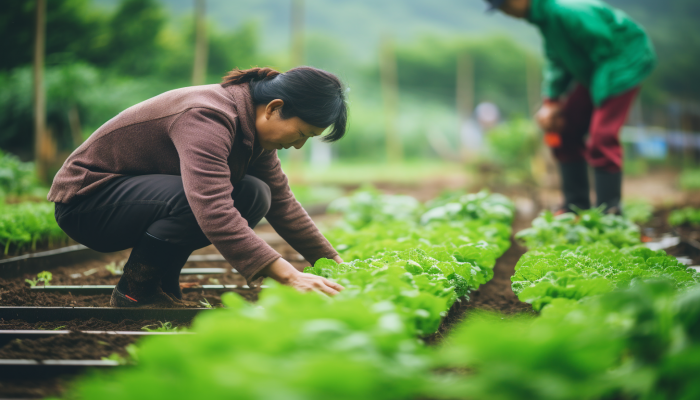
pixel 206 134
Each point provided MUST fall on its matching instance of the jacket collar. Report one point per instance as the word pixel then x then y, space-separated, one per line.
pixel 245 111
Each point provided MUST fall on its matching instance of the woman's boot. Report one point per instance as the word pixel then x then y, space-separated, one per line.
pixel 608 188
pixel 149 265
pixel 574 185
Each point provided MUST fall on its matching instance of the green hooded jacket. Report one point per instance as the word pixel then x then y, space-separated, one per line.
pixel 592 43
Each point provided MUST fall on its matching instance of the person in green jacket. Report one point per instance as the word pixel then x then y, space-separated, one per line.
pixel 596 58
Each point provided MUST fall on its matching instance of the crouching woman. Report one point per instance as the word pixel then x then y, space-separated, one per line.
pixel 198 166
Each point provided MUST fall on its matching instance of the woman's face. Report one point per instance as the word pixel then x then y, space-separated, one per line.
pixel 276 133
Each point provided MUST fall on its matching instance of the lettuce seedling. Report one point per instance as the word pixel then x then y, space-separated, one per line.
pixel 44 277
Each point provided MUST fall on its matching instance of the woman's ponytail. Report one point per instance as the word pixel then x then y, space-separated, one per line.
pixel 312 94
pixel 237 76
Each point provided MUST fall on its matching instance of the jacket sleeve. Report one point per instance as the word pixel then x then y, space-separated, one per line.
pixel 203 139
pixel 286 215
pixel 590 31
pixel 556 79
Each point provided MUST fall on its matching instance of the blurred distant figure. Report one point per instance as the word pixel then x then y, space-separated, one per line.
pixel 487 115
pixel 596 59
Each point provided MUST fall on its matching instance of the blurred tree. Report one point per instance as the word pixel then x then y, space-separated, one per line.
pixel 674 29
pixel 230 49
pixel 133 46
pixel 70 31
pixel 428 69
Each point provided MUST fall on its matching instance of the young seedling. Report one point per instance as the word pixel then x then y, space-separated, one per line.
pixel 113 268
pixel 44 276
pixel 129 359
pixel 164 327
pixel 205 303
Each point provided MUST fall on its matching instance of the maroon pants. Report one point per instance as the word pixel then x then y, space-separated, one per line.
pixel 603 124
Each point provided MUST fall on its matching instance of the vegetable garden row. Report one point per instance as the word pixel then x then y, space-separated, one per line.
pixel 617 320
pixel 603 331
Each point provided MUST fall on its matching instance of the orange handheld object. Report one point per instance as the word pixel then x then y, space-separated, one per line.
pixel 552 139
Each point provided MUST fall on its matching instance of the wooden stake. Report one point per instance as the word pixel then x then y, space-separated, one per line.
pixel 199 71
pixel 39 93
pixel 75 128
pixel 390 93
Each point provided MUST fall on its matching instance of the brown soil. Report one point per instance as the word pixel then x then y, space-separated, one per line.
pixel 16 293
pixel 658 226
pixel 495 295
pixel 73 346
pixel 31 389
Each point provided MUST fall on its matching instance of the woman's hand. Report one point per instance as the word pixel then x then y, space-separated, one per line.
pixel 338 259
pixel 285 273
pixel 549 117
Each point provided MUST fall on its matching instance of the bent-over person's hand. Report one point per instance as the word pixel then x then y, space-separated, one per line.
pixel 550 118
pixel 285 273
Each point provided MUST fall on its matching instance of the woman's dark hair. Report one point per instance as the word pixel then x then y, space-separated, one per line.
pixel 315 96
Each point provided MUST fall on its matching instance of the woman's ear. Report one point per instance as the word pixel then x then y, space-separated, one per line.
pixel 273 107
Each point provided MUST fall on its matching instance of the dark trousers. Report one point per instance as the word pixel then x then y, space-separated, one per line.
pixel 603 124
pixel 119 215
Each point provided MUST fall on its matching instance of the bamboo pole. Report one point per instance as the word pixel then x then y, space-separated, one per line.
pixel 296 26
pixel 390 94
pixel 464 97
pixel 199 70
pixel 39 92
pixel 533 82
pixel 75 127
pixel 297 32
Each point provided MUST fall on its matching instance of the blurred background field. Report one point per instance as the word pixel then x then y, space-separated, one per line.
pixel 439 91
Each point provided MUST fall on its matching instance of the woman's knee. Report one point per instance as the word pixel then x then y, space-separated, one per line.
pixel 252 197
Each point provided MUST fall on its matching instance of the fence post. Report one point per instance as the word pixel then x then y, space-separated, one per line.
pixel 390 93
pixel 40 133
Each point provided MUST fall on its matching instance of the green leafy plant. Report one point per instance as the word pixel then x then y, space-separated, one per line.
pixel 636 342
pixel 514 143
pixel 638 211
pixel 690 179
pixel 687 215
pixel 24 225
pixel 584 227
pixel 359 344
pixel 42 277
pixel 18 179
pixel 578 272
pixel 369 205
